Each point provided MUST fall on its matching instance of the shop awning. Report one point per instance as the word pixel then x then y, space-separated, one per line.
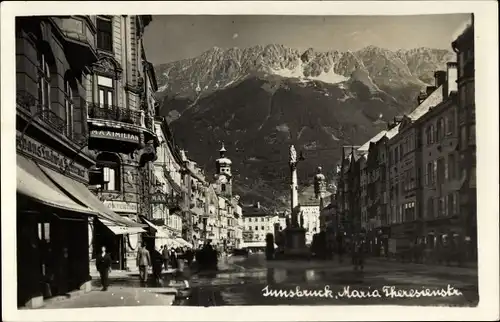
pixel 121 230
pixel 159 232
pixel 33 183
pixel 81 193
pixel 183 242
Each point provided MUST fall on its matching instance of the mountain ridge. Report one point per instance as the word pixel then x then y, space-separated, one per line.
pixel 261 99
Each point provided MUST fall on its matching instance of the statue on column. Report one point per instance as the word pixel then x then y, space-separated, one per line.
pixel 293 155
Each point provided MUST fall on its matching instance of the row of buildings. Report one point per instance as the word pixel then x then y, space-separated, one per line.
pixel 96 165
pixel 415 183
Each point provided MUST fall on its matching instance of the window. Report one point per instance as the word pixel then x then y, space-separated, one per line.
pixel 106 91
pixel 223 187
pixel 440 130
pixel 441 204
pixel 43 82
pixel 256 227
pixel 69 107
pixel 262 228
pixel 110 164
pixel 104 34
pixel 434 171
pixel 430 134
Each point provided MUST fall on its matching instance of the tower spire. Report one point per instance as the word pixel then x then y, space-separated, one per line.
pixel 222 150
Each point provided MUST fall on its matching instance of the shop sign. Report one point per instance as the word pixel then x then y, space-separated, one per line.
pixel 121 206
pixel 39 151
pixel 120 136
pixel 158 198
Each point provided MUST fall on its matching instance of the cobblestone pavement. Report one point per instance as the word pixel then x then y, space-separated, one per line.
pixel 245 279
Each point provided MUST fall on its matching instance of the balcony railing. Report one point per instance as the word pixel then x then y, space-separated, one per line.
pixel 115 113
pixel 30 104
pixel 120 114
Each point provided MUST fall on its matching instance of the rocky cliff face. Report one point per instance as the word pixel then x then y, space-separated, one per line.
pixel 261 99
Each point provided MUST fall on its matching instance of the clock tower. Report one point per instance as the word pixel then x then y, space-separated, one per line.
pixel 223 175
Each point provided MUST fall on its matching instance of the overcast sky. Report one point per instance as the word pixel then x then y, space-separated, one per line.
pixel 171 38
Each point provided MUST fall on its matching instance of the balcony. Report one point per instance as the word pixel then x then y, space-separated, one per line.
pixel 115 113
pixel 29 105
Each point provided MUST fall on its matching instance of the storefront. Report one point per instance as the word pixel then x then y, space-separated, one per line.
pixel 54 211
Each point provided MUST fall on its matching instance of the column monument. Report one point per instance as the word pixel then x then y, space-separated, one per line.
pixel 295 234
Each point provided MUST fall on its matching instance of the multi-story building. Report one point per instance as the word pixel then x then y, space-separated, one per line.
pixel 464 47
pixel 258 222
pixel 121 127
pixel 55 57
pixel 167 194
pixel 377 232
pixel 345 192
pixel 195 185
pixel 440 181
pixel 309 216
pixel 405 169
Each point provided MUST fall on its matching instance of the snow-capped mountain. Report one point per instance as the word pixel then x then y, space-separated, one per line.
pixel 217 68
pixel 261 99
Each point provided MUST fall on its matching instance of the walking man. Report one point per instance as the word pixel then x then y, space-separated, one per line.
pixel 143 262
pixel 103 264
pixel 165 252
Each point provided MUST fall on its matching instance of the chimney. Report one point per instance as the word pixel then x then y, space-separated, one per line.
pixel 439 78
pixel 257 205
pixel 429 90
pixel 451 76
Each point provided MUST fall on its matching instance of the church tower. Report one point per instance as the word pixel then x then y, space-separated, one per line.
pixel 223 175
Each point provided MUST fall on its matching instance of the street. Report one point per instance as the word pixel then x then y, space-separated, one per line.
pixel 254 281
pixel 243 282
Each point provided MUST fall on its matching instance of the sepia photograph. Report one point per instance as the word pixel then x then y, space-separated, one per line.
pixel 221 160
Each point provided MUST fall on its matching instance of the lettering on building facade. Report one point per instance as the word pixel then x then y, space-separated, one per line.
pixel 40 151
pixel 121 136
pixel 158 198
pixel 121 206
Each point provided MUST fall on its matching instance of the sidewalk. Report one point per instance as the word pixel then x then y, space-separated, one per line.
pixel 117 296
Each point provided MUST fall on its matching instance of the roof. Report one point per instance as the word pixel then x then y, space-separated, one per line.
pixel 432 100
pixel 223 160
pixel 374 139
pixel 392 132
pixel 252 211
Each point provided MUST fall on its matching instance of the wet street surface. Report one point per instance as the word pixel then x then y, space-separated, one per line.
pixel 255 281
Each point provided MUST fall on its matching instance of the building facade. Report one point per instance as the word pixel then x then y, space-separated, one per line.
pixel 54 60
pixel 121 126
pixel 258 221
pixel 464 47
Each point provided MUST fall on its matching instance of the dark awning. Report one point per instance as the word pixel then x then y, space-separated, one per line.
pixel 81 193
pixel 33 183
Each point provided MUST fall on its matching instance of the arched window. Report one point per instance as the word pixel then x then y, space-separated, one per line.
pixel 440 129
pixel 110 163
pixel 43 81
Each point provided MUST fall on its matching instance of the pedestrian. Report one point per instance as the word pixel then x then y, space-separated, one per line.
pixel 103 265
pixel 165 256
pixel 143 262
